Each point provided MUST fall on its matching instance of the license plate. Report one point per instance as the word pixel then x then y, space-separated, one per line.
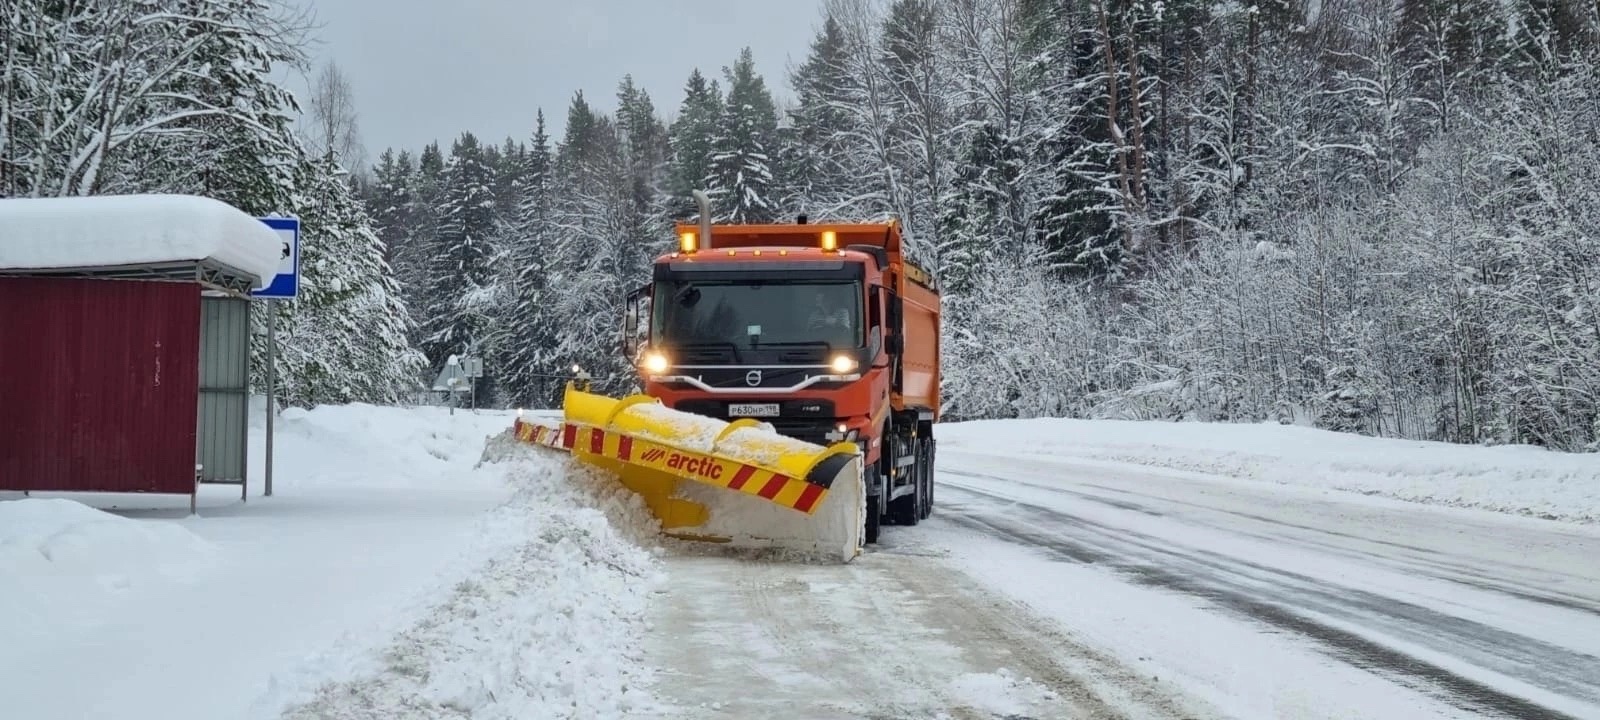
pixel 753 409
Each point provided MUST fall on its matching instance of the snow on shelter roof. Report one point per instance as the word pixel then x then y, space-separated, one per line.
pixel 126 234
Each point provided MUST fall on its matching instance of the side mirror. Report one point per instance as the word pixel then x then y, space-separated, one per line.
pixel 894 312
pixel 895 343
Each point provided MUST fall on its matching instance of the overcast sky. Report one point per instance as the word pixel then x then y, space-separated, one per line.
pixel 428 69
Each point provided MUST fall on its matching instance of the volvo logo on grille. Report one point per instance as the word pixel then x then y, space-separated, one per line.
pixel 752 378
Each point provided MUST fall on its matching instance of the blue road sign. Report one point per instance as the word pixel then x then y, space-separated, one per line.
pixel 286 284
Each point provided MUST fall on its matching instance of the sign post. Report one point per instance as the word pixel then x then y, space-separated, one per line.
pixel 473 366
pixel 283 286
pixel 453 379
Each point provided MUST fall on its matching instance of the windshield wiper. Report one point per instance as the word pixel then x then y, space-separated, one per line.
pixel 714 344
pixel 801 343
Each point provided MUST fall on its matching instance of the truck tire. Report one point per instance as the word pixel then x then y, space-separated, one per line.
pixel 873 520
pixel 927 477
pixel 907 509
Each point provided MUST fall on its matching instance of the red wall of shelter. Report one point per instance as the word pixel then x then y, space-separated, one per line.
pixel 99 385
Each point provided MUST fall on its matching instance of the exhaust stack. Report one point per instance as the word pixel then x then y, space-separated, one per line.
pixel 704 202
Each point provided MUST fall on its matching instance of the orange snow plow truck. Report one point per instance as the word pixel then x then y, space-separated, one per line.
pixel 790 387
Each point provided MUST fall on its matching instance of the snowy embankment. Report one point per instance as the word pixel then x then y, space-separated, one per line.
pixel 393 572
pixel 1514 479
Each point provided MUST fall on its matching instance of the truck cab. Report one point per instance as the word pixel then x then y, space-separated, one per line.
pixel 804 327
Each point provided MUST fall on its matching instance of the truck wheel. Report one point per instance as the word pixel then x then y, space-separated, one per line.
pixel 907 509
pixel 927 477
pixel 873 519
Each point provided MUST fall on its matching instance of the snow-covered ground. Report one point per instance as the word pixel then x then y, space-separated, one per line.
pixel 382 547
pixel 1514 479
pixel 1288 598
pixel 414 563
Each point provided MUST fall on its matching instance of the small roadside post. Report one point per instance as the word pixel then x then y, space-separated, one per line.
pixel 284 286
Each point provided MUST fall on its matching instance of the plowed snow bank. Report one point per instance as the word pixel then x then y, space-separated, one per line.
pixel 390 575
pixel 549 627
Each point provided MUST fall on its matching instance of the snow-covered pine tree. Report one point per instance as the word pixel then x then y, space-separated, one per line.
pixel 589 263
pixel 345 338
pixel 526 336
pixel 820 165
pixel 744 179
pixel 462 295
pixel 388 198
pixel 510 165
pixel 692 134
pixel 414 250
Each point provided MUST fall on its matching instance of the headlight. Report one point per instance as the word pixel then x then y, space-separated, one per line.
pixel 655 362
pixel 842 364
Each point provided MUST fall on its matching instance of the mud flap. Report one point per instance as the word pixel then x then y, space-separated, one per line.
pixel 736 483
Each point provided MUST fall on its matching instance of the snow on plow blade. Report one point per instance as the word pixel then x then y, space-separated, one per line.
pixel 735 483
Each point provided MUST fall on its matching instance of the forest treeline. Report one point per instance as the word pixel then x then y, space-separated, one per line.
pixel 1376 217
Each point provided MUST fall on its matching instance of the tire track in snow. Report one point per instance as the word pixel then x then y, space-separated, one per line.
pixel 895 635
pixel 1427 560
pixel 1238 587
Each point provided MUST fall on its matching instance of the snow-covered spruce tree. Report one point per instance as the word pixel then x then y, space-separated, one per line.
pixel 344 338
pixel 526 324
pixel 1073 219
pixel 818 156
pixel 646 230
pixel 414 247
pixel 461 294
pixel 589 264
pixel 388 198
pixel 691 142
pixel 510 166
pixel 744 181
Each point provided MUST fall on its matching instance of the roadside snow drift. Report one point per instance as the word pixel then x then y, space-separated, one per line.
pixel 64 564
pixel 393 574
pixel 1515 479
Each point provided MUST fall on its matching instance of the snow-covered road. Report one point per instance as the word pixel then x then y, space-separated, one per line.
pixel 894 635
pixel 1272 600
pixel 1070 570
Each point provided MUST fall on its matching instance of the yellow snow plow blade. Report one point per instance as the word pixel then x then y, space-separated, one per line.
pixel 738 483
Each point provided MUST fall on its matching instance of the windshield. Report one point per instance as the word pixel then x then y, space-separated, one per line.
pixel 757 314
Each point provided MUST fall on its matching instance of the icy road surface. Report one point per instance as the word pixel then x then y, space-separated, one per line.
pixel 1267 600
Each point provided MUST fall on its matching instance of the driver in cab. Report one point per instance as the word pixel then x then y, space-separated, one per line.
pixel 824 317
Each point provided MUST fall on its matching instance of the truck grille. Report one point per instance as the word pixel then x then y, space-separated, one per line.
pixel 806 430
pixel 805 420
